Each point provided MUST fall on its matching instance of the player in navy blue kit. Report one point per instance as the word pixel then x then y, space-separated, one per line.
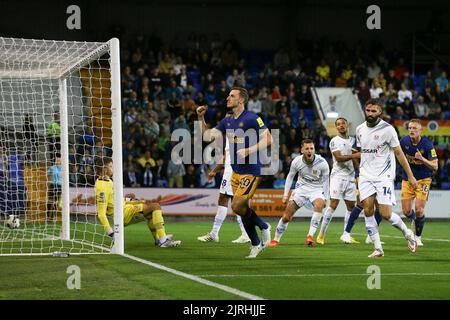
pixel 422 158
pixel 247 135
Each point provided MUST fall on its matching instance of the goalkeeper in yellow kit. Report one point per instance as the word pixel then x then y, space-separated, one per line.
pixel 133 210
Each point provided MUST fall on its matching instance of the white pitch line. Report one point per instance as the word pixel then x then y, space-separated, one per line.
pixel 400 237
pixel 318 275
pixel 196 278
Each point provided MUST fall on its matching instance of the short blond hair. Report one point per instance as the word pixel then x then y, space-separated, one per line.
pixel 415 120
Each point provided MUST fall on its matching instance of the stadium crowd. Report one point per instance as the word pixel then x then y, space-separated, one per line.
pixel 163 83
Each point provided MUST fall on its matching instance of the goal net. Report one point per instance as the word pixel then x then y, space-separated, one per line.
pixel 60 115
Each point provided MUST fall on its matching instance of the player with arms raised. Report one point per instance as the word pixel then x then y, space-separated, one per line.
pixel 312 185
pixel 247 135
pixel 133 211
pixel 379 146
pixel 225 193
pixel 342 178
pixel 421 155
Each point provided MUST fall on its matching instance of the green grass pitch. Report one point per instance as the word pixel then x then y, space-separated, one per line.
pixel 290 271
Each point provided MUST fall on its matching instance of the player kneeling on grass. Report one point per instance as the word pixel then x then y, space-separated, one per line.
pixel 133 210
pixel 312 184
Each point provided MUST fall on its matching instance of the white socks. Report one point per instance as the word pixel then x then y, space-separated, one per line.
pixel 218 220
pixel 327 216
pixel 372 230
pixel 347 216
pixel 281 227
pixel 397 222
pixel 315 221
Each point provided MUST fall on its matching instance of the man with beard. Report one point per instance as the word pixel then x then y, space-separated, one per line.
pixel 312 185
pixel 380 146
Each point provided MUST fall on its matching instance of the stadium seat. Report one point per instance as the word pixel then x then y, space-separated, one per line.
pixel 445 185
pixel 309 115
pixel 447 115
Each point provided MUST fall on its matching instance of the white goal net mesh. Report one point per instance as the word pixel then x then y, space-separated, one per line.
pixel 55 124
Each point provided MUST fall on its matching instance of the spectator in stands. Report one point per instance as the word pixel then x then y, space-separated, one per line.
pixel 260 81
pixel 408 108
pixel 229 56
pixel 130 116
pixel 133 101
pixel 373 70
pixel 151 128
pixel 131 178
pixel 341 82
pixel 191 179
pixel 174 104
pixel 407 80
pixel 147 175
pixel 175 173
pixel 180 123
pixel 150 109
pixel 428 82
pixel 421 108
pixel 146 158
pixel 323 70
pixel 399 114
pixel 442 81
pixel 254 105
pixel 434 108
pixel 166 64
pixel 376 90
pixel 129 149
pixel 160 174
pixel 363 92
pixel 317 127
pixel 276 94
pixel 404 93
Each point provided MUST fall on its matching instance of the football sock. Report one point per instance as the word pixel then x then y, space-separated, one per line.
pixel 372 230
pixel 241 225
pixel 218 220
pixel 327 216
pixel 315 221
pixel 420 221
pixel 351 220
pixel 397 222
pixel 346 218
pixel 158 222
pixel 249 226
pixel 378 216
pixel 152 229
pixel 412 215
pixel 257 220
pixel 281 228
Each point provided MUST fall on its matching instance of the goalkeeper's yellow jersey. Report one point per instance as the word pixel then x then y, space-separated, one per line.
pixel 104 196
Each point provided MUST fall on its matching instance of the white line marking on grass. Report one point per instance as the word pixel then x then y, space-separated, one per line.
pixel 400 237
pixel 196 278
pixel 317 275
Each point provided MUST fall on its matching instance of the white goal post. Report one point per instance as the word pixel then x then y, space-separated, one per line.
pixel 60 116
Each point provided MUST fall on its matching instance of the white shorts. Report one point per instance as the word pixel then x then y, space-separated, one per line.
pixel 341 187
pixel 302 197
pixel 383 189
pixel 225 185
